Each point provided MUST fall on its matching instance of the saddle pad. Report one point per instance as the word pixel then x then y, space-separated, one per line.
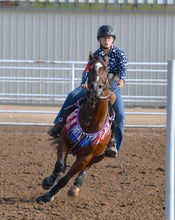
pixel 78 136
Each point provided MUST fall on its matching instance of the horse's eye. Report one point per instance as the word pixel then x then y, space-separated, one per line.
pixel 100 86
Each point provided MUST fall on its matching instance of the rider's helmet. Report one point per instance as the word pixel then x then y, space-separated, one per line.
pixel 105 30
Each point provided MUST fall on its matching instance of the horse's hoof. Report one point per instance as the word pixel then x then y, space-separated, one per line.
pixel 44 199
pixel 111 152
pixel 40 199
pixel 46 185
pixel 73 191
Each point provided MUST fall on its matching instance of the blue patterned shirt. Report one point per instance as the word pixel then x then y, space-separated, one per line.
pixel 117 63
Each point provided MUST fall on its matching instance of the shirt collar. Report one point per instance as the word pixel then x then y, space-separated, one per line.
pixel 103 54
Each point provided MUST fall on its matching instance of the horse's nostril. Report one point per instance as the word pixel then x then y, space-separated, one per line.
pixel 91 86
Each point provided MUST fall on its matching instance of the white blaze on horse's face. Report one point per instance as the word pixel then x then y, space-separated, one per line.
pixel 97 79
pixel 96 88
pixel 97 66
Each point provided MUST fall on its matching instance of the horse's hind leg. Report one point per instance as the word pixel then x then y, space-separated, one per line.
pixel 75 188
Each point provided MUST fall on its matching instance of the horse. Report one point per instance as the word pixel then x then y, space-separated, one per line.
pixel 86 133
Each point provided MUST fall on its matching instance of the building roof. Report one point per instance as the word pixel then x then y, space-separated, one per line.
pixel 159 2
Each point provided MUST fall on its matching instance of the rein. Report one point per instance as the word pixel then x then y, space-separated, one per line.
pixel 104 84
pixel 107 96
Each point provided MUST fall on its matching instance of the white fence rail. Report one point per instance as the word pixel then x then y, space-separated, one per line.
pixel 55 112
pixel 35 82
pixel 28 83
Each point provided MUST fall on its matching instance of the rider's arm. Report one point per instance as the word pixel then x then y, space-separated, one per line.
pixel 84 78
pixel 122 66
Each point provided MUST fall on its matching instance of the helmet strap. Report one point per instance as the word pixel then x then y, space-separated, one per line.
pixel 101 46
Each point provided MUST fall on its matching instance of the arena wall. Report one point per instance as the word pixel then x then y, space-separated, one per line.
pixel 70 35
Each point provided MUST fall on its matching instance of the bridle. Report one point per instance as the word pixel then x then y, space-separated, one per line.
pixel 96 81
pixel 104 82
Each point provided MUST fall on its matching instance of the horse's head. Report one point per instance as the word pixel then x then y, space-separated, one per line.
pixel 97 76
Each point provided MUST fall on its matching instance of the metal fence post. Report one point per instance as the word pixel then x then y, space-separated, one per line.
pixel 72 76
pixel 170 142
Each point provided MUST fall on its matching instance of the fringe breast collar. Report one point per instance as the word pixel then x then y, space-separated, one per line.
pixel 78 136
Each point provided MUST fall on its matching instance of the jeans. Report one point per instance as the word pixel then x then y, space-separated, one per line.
pixel 71 99
pixel 118 106
pixel 119 114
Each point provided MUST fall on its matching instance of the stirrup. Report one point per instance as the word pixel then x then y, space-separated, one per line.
pixel 51 133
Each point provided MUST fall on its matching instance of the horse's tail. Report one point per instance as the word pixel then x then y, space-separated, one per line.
pixel 55 141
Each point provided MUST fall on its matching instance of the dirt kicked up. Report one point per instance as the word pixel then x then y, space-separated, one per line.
pixel 130 187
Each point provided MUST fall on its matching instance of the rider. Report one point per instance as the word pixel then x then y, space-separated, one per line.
pixel 117 68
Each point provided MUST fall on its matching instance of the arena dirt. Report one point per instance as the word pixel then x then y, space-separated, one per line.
pixel 130 187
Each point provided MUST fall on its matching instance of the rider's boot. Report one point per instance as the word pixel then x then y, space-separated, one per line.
pixel 111 150
pixel 56 129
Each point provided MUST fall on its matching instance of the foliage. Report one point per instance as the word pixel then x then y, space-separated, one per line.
pixel 87 6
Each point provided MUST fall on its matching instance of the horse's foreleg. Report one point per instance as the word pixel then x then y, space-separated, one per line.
pixel 48 196
pixel 79 165
pixel 60 167
pixel 75 188
pixel 96 159
pixel 52 180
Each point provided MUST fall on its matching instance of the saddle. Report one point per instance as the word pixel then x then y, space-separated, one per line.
pixel 56 129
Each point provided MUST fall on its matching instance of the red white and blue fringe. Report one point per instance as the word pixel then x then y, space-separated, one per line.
pixel 78 136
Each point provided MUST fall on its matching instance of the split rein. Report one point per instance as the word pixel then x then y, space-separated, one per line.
pixel 104 83
pixel 107 96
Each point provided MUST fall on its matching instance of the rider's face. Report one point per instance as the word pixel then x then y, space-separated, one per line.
pixel 106 41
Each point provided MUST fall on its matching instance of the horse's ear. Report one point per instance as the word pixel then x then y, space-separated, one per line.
pixel 91 56
pixel 106 59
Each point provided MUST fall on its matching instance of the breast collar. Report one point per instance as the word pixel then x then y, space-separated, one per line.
pixel 81 138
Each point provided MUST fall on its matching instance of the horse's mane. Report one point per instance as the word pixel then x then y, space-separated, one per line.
pixel 103 61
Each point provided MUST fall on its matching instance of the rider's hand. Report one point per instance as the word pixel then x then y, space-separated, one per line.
pixel 85 86
pixel 120 83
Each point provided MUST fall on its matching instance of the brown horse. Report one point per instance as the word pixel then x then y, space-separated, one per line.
pixel 86 133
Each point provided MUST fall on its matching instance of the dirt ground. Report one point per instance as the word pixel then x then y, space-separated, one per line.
pixel 130 187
